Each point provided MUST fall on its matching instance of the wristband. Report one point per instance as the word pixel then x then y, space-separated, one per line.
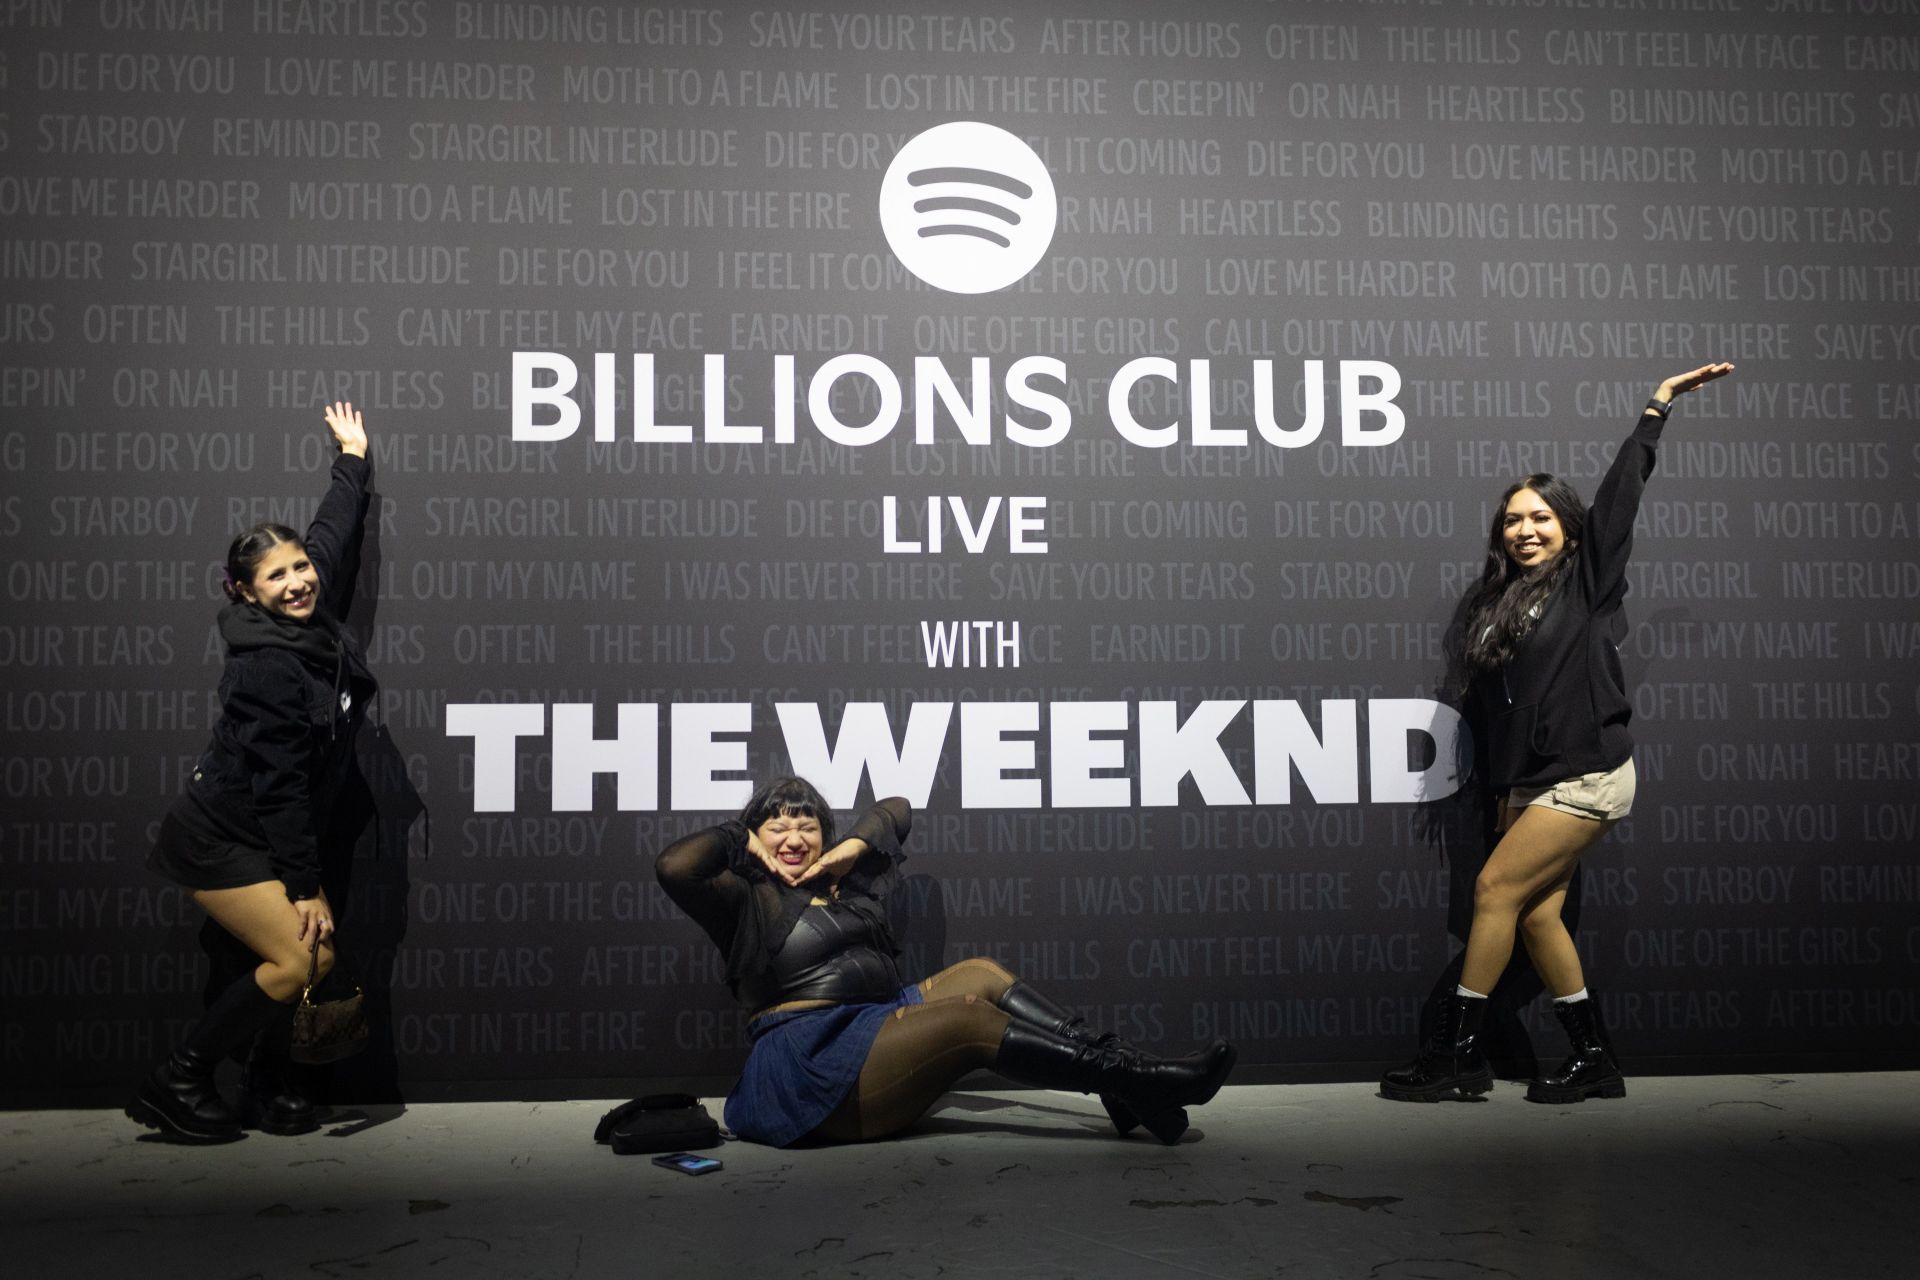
pixel 1659 406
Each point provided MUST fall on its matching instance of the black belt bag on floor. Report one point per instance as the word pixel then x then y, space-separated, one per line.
pixel 658 1122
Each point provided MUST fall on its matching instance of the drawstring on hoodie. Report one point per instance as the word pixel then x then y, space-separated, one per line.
pixel 339 668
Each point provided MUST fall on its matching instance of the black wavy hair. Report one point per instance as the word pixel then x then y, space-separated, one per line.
pixel 1505 604
pixel 246 552
pixel 789 797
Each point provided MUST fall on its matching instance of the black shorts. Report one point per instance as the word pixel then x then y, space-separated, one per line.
pixel 195 862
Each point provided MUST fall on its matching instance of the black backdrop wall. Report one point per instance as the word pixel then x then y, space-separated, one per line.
pixel 1179 779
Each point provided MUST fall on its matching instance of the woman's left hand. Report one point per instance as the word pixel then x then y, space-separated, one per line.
pixel 1681 383
pixel 349 431
pixel 1503 817
pixel 835 862
pixel 316 920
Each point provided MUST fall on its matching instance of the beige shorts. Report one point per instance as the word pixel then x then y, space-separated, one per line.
pixel 1602 796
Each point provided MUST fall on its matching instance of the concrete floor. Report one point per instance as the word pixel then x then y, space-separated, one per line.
pixel 1748 1176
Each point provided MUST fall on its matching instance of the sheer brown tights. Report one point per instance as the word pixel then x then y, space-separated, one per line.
pixel 922 1050
pixel 978 977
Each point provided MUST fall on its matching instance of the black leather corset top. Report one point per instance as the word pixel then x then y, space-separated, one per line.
pixel 832 954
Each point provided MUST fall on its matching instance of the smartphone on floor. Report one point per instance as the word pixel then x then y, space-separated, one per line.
pixel 687 1162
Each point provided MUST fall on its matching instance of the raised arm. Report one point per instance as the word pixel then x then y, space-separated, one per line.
pixel 1607 541
pixel 696 872
pixel 1681 383
pixel 333 539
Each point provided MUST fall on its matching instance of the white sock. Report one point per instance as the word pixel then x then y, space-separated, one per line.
pixel 1471 995
pixel 1581 994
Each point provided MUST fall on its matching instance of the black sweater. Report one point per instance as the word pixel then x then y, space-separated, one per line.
pixel 749 915
pixel 292 697
pixel 1559 708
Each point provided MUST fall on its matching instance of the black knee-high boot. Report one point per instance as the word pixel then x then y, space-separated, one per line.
pixel 1025 1004
pixel 275 1093
pixel 274 1097
pixel 179 1097
pixel 1451 1059
pixel 1154 1089
pixel 1590 1071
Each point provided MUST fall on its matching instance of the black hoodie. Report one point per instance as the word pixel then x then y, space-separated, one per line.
pixel 292 697
pixel 1559 709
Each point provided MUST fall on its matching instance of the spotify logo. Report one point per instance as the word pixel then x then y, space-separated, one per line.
pixel 968 207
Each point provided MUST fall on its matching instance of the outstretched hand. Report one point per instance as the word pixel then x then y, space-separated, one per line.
pixel 1681 383
pixel 348 429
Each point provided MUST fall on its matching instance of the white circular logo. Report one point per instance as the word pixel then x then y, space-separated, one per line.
pixel 968 207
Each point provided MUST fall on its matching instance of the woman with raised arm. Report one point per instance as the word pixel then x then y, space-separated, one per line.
pixel 843 1051
pixel 1540 645
pixel 244 835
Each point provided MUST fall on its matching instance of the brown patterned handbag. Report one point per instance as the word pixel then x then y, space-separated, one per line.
pixel 327 1030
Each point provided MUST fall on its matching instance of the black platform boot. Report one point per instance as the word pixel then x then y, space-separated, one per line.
pixel 1450 1059
pixel 1154 1089
pixel 1590 1071
pixel 1025 1004
pixel 272 1098
pixel 274 1092
pixel 179 1097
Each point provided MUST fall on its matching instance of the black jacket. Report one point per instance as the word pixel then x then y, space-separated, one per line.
pixel 292 696
pixel 751 916
pixel 1560 708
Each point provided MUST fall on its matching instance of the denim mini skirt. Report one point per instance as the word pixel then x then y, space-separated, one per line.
pixel 802 1064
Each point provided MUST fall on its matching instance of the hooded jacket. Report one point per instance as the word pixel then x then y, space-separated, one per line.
pixel 292 697
pixel 1559 709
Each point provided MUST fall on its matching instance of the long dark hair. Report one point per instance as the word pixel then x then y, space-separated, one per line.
pixel 248 550
pixel 789 798
pixel 1505 604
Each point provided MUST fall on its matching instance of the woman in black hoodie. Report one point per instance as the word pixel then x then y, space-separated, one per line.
pixel 244 836
pixel 1540 638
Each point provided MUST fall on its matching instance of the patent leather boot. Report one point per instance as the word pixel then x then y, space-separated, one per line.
pixel 179 1097
pixel 1022 1002
pixel 1155 1089
pixel 1451 1059
pixel 1590 1070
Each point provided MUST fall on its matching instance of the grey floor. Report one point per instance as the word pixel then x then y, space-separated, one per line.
pixel 1747 1176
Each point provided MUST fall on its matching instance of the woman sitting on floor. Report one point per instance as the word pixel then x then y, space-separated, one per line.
pixel 843 1051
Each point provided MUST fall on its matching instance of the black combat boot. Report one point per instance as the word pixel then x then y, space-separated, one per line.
pixel 1590 1071
pixel 1154 1089
pixel 1450 1059
pixel 1024 1004
pixel 275 1091
pixel 273 1098
pixel 179 1097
